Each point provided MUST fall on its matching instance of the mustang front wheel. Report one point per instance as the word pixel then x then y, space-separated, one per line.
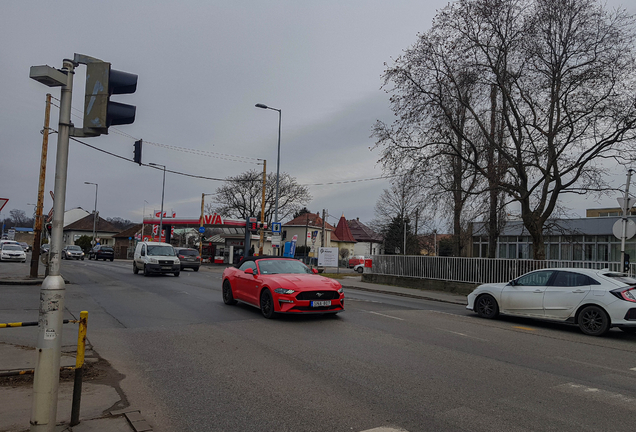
pixel 267 304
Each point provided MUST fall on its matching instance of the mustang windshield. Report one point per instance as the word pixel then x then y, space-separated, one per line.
pixel 276 266
pixel 160 251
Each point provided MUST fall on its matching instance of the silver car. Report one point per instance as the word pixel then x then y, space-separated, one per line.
pixel 72 252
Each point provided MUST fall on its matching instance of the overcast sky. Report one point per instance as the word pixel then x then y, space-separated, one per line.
pixel 202 67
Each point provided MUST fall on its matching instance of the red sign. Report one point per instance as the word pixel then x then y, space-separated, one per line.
pixel 158 214
pixel 3 202
pixel 213 219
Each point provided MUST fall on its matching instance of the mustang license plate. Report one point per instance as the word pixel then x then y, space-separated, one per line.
pixel 321 303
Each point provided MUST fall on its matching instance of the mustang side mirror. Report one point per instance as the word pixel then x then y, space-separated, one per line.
pixel 314 270
pixel 249 271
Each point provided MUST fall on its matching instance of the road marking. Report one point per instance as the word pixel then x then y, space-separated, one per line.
pixel 385 429
pixel 592 364
pixel 599 395
pixel 524 328
pixel 388 316
pixel 462 334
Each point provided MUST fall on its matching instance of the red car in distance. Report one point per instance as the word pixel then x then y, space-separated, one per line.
pixel 281 285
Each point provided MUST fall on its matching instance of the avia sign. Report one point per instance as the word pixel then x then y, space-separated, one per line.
pixel 213 219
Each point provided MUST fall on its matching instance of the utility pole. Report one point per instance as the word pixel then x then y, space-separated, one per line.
pixel 261 241
pixel 37 238
pixel 52 292
pixel 322 235
pixel 200 228
pixel 626 206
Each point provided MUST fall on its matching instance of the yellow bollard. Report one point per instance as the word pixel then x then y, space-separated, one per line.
pixel 79 363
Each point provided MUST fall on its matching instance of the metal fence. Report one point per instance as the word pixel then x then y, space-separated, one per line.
pixel 474 270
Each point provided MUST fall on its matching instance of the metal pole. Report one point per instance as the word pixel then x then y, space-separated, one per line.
pixel 278 168
pixel 47 367
pixel 143 225
pixel 201 226
pixel 163 190
pixel 94 242
pixel 37 238
pixel 261 241
pixel 625 208
pixel 79 368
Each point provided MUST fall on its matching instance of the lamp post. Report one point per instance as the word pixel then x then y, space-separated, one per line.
pixel 263 106
pixel 143 225
pixel 163 189
pixel 203 195
pixel 93 242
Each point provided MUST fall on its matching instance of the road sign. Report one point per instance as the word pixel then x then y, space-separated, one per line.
pixel 201 230
pixel 630 229
pixel 276 227
pixel 276 240
pixel 630 203
pixel 3 202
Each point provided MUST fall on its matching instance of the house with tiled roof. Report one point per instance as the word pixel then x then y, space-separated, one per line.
pixel 104 231
pixel 368 242
pixel 125 242
pixel 308 228
pixel 343 238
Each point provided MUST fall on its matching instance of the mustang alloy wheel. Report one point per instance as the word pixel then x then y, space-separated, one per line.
pixel 228 298
pixel 267 304
pixel 486 306
pixel 594 321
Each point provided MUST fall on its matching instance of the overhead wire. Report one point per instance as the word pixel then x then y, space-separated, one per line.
pixel 223 156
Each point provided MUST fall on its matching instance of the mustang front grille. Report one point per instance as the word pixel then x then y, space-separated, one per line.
pixel 318 295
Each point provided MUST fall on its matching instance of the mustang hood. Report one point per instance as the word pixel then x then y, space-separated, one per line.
pixel 303 282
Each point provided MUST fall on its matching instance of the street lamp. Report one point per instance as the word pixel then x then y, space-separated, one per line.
pixel 143 215
pixel 163 189
pixel 93 242
pixel 263 106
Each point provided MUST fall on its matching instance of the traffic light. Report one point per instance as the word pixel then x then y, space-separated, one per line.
pixel 626 263
pixel 102 82
pixel 137 152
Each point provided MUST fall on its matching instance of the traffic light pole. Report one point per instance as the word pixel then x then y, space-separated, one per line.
pixel 47 367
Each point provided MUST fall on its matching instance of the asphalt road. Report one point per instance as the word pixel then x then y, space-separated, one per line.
pixel 194 364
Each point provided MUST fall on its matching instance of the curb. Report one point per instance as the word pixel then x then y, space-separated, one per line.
pixel 135 419
pixel 21 281
pixel 415 296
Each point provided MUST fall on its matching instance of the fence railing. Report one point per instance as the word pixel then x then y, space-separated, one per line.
pixel 474 270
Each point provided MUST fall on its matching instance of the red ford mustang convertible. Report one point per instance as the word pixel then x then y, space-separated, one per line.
pixel 281 285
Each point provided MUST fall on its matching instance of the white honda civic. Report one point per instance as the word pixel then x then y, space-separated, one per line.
pixel 595 300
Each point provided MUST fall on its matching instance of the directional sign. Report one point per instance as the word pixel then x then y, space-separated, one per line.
pixel 201 230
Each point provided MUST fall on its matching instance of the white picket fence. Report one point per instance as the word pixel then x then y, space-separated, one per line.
pixel 474 270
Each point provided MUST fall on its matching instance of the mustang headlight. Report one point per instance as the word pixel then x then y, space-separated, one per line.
pixel 340 291
pixel 284 291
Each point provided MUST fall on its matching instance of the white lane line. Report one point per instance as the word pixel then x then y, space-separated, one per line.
pixel 385 429
pixel 591 364
pixel 603 396
pixel 462 334
pixel 388 316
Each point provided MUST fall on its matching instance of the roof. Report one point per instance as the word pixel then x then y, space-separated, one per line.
pixel 130 232
pixel 579 226
pixel 312 220
pixel 86 224
pixel 363 233
pixel 343 232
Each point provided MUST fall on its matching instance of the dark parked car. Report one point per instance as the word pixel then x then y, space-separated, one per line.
pixel 101 252
pixel 189 258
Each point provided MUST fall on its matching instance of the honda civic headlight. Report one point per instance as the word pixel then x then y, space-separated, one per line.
pixel 284 291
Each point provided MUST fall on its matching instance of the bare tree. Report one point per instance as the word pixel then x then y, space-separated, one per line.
pixel 18 217
pixel 240 197
pixel 553 97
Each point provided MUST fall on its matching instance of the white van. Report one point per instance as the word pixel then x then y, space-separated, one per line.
pixel 155 257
